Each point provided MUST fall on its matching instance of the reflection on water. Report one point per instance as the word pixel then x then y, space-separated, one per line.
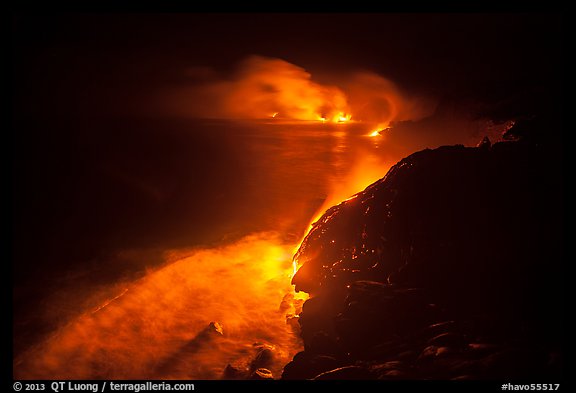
pixel 256 188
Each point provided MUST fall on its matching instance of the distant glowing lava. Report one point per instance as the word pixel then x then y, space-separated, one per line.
pixel 343 118
pixel 379 131
pixel 336 118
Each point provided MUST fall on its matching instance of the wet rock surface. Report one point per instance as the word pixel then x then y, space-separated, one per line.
pixel 450 267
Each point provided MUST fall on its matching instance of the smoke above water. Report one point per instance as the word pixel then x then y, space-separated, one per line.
pixel 264 88
pixel 204 310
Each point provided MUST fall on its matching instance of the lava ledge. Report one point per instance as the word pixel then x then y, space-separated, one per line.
pixel 450 267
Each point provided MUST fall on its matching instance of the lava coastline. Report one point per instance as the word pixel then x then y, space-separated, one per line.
pixel 449 267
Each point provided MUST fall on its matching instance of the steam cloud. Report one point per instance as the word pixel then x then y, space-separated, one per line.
pixel 187 320
pixel 261 88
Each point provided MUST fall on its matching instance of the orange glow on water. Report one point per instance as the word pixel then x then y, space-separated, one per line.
pixel 156 327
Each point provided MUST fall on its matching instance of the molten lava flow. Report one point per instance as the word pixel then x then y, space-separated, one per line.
pixel 379 130
pixel 204 310
pixel 344 117
pixel 363 172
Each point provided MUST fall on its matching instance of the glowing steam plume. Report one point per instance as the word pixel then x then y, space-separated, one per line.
pixel 270 88
pixel 263 88
pixel 377 101
pixel 205 309
pixel 274 85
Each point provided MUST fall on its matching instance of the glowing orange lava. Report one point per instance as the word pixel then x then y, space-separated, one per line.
pixel 343 118
pixel 363 172
pixel 379 130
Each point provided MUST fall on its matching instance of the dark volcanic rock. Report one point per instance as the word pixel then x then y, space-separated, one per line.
pixel 264 357
pixel 307 366
pixel 232 372
pixel 451 264
pixel 209 336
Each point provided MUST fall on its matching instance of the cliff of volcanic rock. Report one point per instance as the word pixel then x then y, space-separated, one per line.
pixel 450 267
